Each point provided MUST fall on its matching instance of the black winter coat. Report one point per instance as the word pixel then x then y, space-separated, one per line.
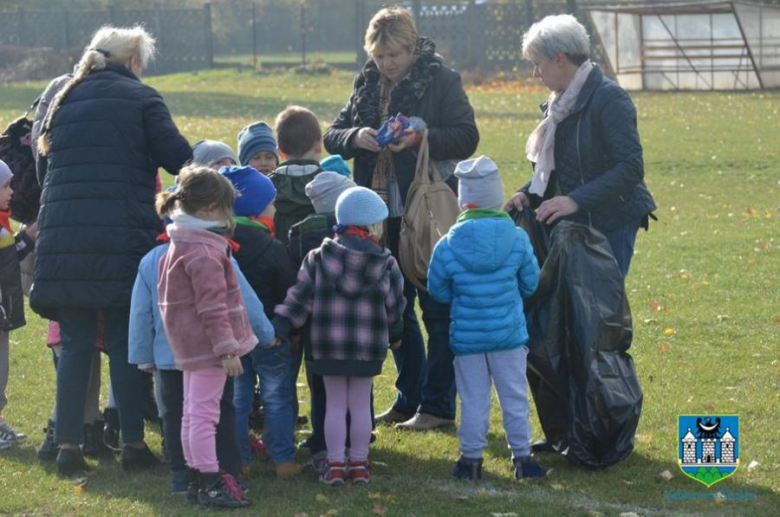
pixel 598 159
pixel 97 217
pixel 11 293
pixel 430 91
pixel 265 264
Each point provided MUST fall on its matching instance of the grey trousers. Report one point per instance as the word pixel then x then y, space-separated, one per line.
pixel 473 376
pixel 4 364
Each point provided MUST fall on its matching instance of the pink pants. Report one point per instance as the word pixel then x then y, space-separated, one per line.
pixel 344 394
pixel 202 393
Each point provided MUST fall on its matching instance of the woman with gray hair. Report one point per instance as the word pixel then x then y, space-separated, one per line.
pixel 586 152
pixel 103 137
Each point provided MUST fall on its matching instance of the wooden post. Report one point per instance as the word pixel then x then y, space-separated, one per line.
pixel 304 30
pixel 254 35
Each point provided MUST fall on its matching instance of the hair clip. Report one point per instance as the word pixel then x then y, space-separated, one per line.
pixel 105 53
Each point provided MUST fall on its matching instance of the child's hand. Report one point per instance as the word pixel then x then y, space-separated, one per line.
pixel 396 345
pixel 232 366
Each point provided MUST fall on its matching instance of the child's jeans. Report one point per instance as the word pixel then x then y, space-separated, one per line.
pixel 202 393
pixel 473 375
pixel 272 365
pixel 228 455
pixel 353 395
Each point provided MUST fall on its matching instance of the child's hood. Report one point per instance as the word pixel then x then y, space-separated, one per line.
pixel 352 272
pixel 482 240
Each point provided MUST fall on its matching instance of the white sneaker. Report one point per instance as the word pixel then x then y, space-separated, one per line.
pixel 9 434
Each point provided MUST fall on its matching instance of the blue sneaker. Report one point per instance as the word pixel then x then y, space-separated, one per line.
pixel 468 468
pixel 526 468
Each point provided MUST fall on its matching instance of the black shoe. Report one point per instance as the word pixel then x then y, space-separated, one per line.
pixel 193 486
pixel 49 448
pixel 221 490
pixel 542 446
pixel 133 458
pixel 93 441
pixel 525 468
pixel 70 462
pixel 111 428
pixel 468 468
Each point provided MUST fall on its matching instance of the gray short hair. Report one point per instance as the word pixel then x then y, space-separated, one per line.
pixel 557 34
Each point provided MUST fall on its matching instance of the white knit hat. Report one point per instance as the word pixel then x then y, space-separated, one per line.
pixel 479 184
pixel 209 152
pixel 5 174
pixel 325 189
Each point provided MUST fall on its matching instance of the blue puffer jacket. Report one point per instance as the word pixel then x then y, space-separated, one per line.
pixel 484 267
pixel 148 343
pixel 598 159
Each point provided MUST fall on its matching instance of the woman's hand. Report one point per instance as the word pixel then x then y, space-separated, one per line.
pixel 395 345
pixel 410 138
pixel 519 202
pixel 232 366
pixel 555 208
pixel 366 139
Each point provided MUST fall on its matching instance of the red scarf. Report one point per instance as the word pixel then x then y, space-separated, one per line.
pixel 5 220
pixel 267 222
pixel 360 232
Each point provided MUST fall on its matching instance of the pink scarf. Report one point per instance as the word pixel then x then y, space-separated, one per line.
pixel 540 147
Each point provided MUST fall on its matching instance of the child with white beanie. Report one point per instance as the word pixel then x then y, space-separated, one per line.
pixel 352 288
pixel 484 267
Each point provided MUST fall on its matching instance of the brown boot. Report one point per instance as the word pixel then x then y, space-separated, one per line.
pixel 424 422
pixel 287 470
pixel 391 416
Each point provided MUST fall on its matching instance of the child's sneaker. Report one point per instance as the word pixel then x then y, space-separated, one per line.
pixel 468 468
pixel 193 485
pixel 334 473
pixel 9 434
pixel 221 490
pixel 526 468
pixel 49 448
pixel 5 445
pixel 318 460
pixel 180 480
pixel 359 472
pixel 256 445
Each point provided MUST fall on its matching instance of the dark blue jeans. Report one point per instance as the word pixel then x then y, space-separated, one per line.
pixel 424 385
pixel 79 331
pixel 622 243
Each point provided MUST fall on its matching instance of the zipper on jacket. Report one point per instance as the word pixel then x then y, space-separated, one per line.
pixel 579 162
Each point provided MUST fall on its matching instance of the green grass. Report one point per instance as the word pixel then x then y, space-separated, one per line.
pixel 292 57
pixel 703 288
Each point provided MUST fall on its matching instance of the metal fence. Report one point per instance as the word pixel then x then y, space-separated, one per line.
pixel 184 36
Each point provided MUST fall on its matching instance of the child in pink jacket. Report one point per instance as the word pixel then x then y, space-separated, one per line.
pixel 204 317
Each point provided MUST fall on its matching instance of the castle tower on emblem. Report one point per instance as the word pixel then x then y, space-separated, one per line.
pixel 727 447
pixel 689 447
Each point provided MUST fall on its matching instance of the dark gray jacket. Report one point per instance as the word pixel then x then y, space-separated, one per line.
pixel 598 159
pixel 97 217
pixel 432 92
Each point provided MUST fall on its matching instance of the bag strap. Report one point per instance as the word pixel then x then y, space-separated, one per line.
pixel 423 160
pixel 33 106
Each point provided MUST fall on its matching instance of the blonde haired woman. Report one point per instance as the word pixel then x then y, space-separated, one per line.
pixel 404 74
pixel 102 140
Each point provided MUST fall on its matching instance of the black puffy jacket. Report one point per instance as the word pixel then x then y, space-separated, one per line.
pixel 430 91
pixel 265 264
pixel 598 158
pixel 97 217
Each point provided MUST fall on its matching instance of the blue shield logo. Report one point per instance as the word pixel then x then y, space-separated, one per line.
pixel 708 447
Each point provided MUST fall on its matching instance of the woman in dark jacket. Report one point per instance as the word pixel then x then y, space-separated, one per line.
pixel 405 75
pixel 102 140
pixel 586 152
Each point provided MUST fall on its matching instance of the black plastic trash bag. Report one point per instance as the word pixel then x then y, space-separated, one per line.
pixel 585 387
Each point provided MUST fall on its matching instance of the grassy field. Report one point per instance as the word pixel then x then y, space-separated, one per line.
pixel 292 58
pixel 703 286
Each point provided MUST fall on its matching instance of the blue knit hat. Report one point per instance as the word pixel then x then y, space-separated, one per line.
pixel 254 138
pixel 336 163
pixel 255 190
pixel 361 207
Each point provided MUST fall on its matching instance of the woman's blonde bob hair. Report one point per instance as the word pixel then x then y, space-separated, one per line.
pixel 109 45
pixel 393 28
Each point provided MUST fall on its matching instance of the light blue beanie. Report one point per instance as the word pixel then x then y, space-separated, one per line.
pixel 254 138
pixel 336 163
pixel 360 206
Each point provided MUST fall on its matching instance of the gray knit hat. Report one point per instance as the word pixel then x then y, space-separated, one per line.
pixel 5 174
pixel 479 184
pixel 208 152
pixel 325 189
pixel 360 206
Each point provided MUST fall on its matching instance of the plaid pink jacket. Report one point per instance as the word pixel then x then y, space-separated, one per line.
pixel 353 299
